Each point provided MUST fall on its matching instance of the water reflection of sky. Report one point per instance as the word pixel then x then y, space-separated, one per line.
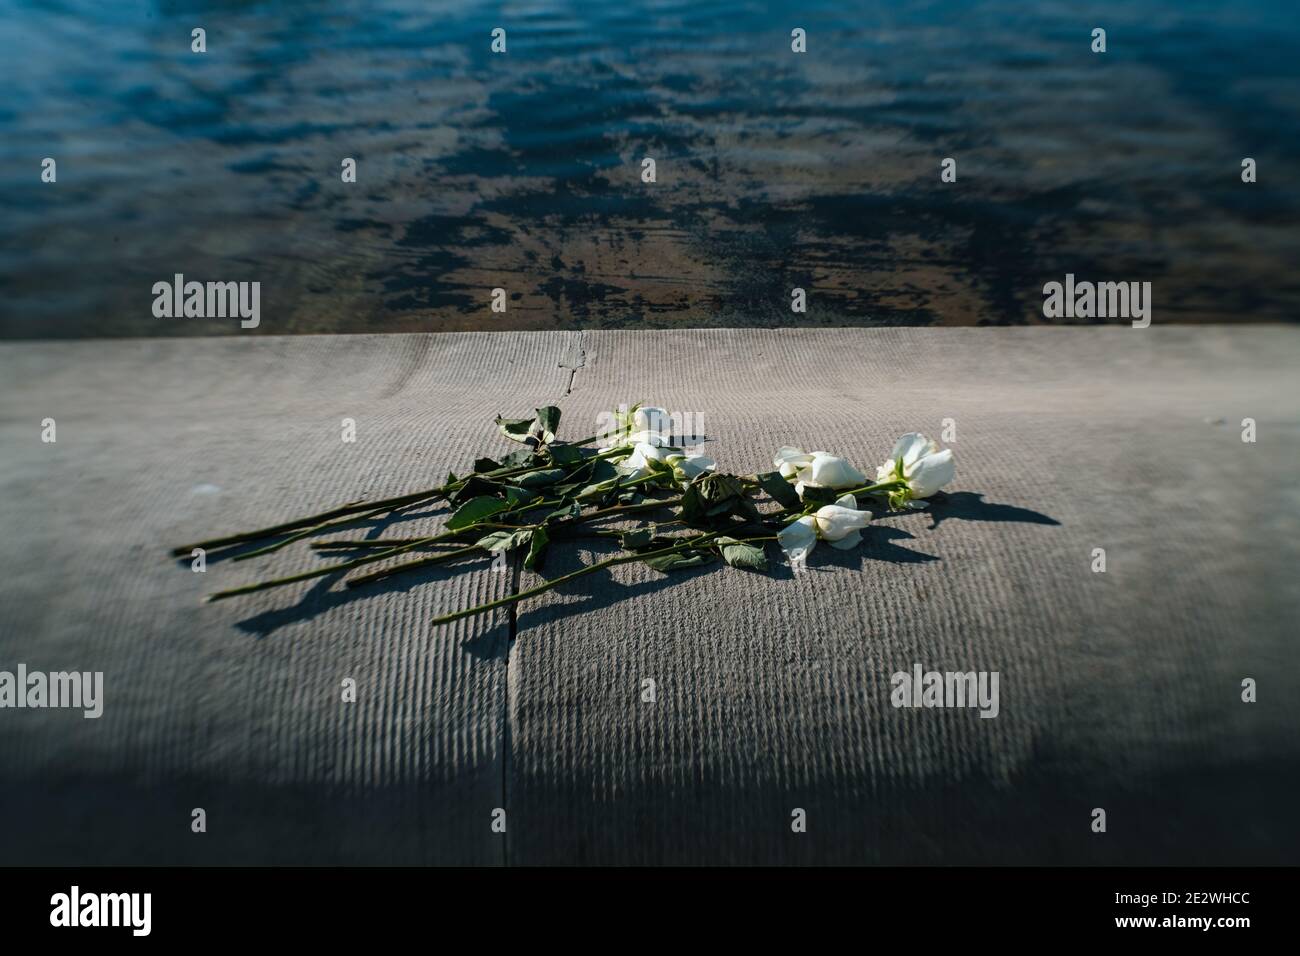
pixel 523 170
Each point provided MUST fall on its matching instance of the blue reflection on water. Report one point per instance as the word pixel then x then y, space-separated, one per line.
pixel 523 170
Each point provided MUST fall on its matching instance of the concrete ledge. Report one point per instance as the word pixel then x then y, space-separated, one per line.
pixel 1119 690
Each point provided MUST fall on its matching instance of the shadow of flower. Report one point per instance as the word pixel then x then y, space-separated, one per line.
pixel 970 506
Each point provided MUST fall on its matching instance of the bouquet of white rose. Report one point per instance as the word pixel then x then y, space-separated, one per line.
pixel 550 491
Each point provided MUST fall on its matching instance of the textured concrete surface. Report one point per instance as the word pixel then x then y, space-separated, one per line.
pixel 1118 690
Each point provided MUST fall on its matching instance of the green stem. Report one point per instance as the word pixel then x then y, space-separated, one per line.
pixel 362 544
pixel 388 504
pixel 407 545
pixel 792 516
pixel 240 538
pixel 565 578
pixel 329 569
pixel 307 532
pixel 882 486
pixel 423 563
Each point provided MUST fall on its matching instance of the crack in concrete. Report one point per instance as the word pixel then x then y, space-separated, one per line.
pixel 573 359
pixel 515 574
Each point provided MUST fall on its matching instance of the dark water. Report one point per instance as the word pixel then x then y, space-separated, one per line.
pixel 522 170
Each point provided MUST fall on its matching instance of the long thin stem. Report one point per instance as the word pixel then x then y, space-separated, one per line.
pixel 400 549
pixel 385 503
pixel 329 569
pixel 881 486
pixel 364 544
pixel 307 532
pixel 613 511
pixel 564 578
pixel 424 562
pixel 790 516
pixel 241 537
pixel 412 565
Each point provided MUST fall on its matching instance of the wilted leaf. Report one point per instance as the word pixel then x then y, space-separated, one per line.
pixel 548 423
pixel 692 505
pixel 781 490
pixel 741 554
pixel 516 429
pixel 716 496
pixel 518 459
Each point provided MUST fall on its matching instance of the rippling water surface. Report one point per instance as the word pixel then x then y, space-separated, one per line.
pixel 522 170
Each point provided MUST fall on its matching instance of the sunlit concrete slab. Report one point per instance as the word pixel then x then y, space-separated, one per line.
pixel 1118 690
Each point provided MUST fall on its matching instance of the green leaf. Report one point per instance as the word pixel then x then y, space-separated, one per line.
pixel 516 429
pixel 597 470
pixel 679 560
pixel 504 540
pixel 631 540
pixel 567 488
pixel 812 495
pixel 593 488
pixel 536 548
pixel 519 496
pixel 782 491
pixel 741 554
pixel 565 454
pixel 571 510
pixel 716 496
pixel 476 486
pixel 540 479
pixel 517 459
pixel 485 464
pixel 548 423
pixel 474 511
pixel 724 507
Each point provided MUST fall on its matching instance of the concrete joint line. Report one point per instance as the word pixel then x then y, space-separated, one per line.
pixel 573 360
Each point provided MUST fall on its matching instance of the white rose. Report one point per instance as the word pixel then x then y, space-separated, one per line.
pixel 818 469
pixel 641 426
pixel 689 467
pixel 839 524
pixel 684 467
pixel 637 463
pixel 652 420
pixel 918 461
pixel 790 459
